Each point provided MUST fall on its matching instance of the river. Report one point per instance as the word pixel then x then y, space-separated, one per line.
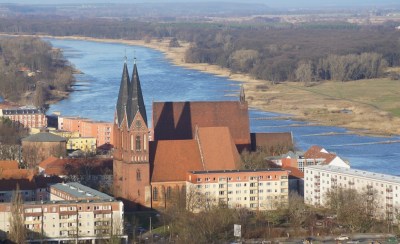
pixel 97 88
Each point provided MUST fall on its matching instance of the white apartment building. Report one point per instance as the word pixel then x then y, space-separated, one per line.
pixel 74 212
pixel 252 189
pixel 319 179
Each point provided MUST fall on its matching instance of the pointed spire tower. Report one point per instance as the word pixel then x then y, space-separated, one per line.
pixel 135 98
pixel 122 95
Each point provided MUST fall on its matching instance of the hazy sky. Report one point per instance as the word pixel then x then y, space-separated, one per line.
pixel 272 3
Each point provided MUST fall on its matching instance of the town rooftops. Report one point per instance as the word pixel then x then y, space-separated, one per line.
pixel 237 171
pixel 357 172
pixel 8 164
pixel 44 137
pixel 80 192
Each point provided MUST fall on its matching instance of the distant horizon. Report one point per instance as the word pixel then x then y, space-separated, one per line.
pixel 269 3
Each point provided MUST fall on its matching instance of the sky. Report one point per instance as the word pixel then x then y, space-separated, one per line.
pixel 271 3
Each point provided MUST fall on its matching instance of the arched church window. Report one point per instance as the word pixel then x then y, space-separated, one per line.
pixel 138 147
pixel 169 192
pixel 155 194
pixel 138 175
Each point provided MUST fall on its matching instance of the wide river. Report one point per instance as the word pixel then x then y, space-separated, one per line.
pixel 96 93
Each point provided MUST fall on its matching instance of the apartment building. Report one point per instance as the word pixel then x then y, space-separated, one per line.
pixel 73 213
pixel 253 189
pixel 100 130
pixel 319 179
pixel 28 116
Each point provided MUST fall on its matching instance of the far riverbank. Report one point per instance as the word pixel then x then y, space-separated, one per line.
pixel 290 98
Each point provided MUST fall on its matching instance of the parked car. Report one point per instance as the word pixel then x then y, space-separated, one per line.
pixel 342 238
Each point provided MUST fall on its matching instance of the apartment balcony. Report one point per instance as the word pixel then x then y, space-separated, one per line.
pixel 317 190
pixel 389 205
pixel 351 183
pixel 317 177
pixel 317 184
pixel 369 186
pixel 389 198
pixel 333 179
pixel 389 190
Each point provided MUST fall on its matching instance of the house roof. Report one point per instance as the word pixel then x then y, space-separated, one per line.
pixel 171 160
pixel 8 164
pixel 213 149
pixel 28 184
pixel 80 192
pixel 17 174
pixel 315 152
pixel 294 172
pixel 67 166
pixel 218 149
pixel 177 120
pixel 272 140
pixel 44 137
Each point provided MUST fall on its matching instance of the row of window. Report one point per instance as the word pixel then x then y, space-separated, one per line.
pixel 261 177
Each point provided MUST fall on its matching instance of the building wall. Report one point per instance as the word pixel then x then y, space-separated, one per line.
pixel 65 220
pixel 29 120
pixel 259 190
pixel 321 179
pixel 86 144
pixel 35 152
pixel 167 194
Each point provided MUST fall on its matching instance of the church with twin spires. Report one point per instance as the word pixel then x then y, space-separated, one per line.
pixel 150 165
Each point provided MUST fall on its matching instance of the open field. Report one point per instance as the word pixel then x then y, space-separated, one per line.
pixel 365 106
pixel 371 105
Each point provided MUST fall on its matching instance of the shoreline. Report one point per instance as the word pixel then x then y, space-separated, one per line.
pixel 364 119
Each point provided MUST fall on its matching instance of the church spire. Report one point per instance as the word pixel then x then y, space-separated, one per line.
pixel 135 98
pixel 123 94
pixel 242 95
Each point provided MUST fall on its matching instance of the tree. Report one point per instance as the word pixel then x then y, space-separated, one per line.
pixel 356 210
pixel 17 225
pixel 304 72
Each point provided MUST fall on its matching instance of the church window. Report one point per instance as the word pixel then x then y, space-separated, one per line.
pixel 145 142
pixel 138 175
pixel 169 192
pixel 131 142
pixel 138 148
pixel 122 139
pixel 155 194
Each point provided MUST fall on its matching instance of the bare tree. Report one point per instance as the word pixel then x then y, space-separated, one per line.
pixel 17 225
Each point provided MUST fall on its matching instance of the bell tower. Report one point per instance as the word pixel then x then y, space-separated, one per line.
pixel 131 143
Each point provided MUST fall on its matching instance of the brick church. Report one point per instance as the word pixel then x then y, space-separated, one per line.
pixel 150 165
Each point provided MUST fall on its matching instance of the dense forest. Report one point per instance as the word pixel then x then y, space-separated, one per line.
pixel 31 71
pixel 270 51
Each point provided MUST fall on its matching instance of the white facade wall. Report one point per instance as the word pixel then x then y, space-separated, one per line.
pixel 255 193
pixel 319 179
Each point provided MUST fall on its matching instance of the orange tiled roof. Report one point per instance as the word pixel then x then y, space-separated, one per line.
pixel 218 149
pixel 171 160
pixel 47 161
pixel 17 174
pixel 294 172
pixel 315 152
pixel 268 140
pixel 73 165
pixel 8 164
pixel 177 120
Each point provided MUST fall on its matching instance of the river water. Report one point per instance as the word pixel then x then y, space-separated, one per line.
pixel 97 88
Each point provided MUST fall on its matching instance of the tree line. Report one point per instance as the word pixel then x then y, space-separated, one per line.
pixel 32 71
pixel 276 53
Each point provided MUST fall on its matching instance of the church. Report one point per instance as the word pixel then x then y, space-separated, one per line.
pixel 150 165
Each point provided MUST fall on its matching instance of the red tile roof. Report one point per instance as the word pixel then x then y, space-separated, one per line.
pixel 17 174
pixel 218 149
pixel 272 140
pixel 177 120
pixel 315 152
pixel 294 172
pixel 66 166
pixel 8 164
pixel 171 160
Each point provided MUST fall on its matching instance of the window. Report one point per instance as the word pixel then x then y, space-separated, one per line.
pixel 138 147
pixel 138 175
pixel 169 192
pixel 155 194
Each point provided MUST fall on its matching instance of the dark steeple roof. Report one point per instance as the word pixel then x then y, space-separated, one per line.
pixel 135 98
pixel 123 95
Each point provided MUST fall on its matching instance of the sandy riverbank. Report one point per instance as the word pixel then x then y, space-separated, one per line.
pixel 317 104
